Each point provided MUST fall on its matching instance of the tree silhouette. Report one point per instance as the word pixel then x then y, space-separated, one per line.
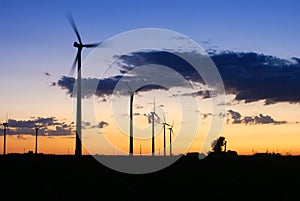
pixel 218 144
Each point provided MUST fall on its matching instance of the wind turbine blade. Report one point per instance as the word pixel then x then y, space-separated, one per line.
pixel 72 22
pixel 149 118
pixel 154 106
pixel 72 70
pixel 92 45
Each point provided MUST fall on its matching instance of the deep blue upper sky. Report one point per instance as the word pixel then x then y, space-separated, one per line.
pixel 269 27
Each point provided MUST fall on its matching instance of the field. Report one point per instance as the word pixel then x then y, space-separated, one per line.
pixel 241 178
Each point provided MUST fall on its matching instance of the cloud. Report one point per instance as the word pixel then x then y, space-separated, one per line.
pixel 235 116
pixel 206 115
pixel 102 124
pixel 89 125
pixel 50 126
pixel 253 77
pixel 98 87
pixel 204 94
pixel 139 107
pixel 249 76
pixel 252 120
pixel 106 86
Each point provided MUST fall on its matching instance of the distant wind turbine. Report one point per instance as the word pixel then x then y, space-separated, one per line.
pixel 171 133
pixel 153 114
pixel 79 45
pixel 37 127
pixel 164 125
pixel 5 126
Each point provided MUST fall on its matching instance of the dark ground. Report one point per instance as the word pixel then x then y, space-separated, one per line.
pixel 242 178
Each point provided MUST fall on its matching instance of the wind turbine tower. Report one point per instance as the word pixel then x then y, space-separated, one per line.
pixel 164 126
pixel 153 138
pixel 36 126
pixel 171 133
pixel 131 92
pixel 5 125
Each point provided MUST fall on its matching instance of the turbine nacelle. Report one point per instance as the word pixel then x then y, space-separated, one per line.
pixel 78 45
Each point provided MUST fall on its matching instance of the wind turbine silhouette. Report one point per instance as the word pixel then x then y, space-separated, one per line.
pixel 130 121
pixel 164 125
pixel 79 45
pixel 171 133
pixel 152 119
pixel 5 126
pixel 37 127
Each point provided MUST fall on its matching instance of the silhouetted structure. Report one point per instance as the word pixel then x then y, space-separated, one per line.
pixel 131 121
pixel 79 46
pixel 36 137
pixel 153 139
pixel 5 125
pixel 171 133
pixel 164 126
pixel 131 126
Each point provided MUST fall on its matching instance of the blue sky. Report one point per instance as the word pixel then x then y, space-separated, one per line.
pixel 260 26
pixel 36 36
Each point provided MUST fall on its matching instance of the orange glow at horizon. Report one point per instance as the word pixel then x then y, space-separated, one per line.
pixel 246 140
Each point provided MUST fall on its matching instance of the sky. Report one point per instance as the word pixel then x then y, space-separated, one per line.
pixel 251 43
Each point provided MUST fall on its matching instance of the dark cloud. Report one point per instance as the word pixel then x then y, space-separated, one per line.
pixel 89 125
pixel 49 121
pixel 249 76
pixel 49 126
pixel 253 77
pixel 206 115
pixel 106 86
pixel 235 116
pixel 100 88
pixel 204 94
pixel 160 58
pixel 102 124
pixel 251 120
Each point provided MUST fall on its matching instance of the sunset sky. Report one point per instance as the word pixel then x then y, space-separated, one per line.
pixel 254 45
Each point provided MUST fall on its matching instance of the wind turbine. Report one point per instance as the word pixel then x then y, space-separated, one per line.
pixel 130 121
pixel 152 119
pixel 164 125
pixel 171 133
pixel 5 126
pixel 79 45
pixel 37 127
